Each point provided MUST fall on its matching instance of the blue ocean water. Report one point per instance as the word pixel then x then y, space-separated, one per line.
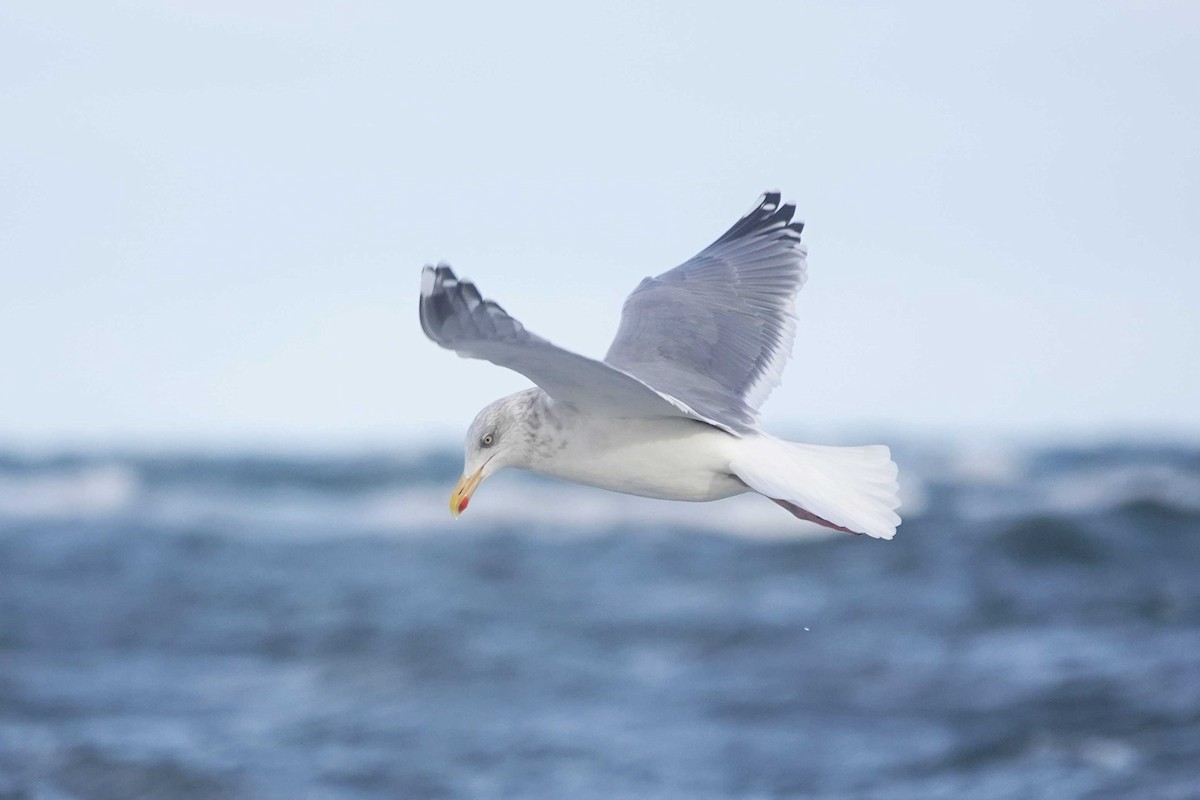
pixel 185 625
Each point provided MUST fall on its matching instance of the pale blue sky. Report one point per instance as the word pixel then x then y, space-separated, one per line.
pixel 213 215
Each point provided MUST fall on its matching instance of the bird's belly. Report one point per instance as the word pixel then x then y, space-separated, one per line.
pixel 666 459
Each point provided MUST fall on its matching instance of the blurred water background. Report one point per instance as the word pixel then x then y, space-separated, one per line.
pixel 212 221
pixel 250 625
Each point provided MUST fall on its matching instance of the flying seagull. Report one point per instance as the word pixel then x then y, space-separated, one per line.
pixel 671 412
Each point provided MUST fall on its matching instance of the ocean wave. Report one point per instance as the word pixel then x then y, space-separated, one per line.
pixel 89 491
pixel 1104 487
pixel 381 494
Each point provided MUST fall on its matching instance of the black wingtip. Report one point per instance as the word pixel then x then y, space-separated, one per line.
pixel 429 280
pixel 438 279
pixel 768 212
pixel 452 308
pixel 437 282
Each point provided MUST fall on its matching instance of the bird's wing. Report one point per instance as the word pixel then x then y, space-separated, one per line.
pixel 716 331
pixel 454 315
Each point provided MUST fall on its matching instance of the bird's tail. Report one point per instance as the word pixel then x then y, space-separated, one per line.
pixel 847 488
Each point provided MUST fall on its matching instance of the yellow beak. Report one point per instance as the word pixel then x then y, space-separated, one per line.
pixel 463 491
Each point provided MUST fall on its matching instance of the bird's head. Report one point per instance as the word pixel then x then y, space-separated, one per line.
pixel 498 438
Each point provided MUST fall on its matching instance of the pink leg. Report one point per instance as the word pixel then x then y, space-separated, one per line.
pixel 799 512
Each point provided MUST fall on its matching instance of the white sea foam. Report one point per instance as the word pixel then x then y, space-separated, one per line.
pixel 70 493
pixel 1103 488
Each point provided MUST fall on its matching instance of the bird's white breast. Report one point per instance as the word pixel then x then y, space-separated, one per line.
pixel 665 458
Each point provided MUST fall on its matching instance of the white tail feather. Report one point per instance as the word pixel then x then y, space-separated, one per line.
pixel 851 487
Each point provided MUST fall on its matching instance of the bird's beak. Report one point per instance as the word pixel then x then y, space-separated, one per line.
pixel 463 491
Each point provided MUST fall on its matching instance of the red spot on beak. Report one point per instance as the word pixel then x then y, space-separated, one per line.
pixel 462 504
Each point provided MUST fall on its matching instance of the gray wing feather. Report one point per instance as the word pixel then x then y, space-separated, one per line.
pixel 717 330
pixel 457 317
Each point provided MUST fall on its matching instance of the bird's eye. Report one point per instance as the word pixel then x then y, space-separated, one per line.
pixel 488 440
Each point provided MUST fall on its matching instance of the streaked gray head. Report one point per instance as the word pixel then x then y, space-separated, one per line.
pixel 501 436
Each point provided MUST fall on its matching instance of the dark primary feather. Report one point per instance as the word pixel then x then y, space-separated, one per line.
pixel 455 315
pixel 716 331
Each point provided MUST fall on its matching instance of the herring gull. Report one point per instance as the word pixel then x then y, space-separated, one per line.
pixel 672 410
